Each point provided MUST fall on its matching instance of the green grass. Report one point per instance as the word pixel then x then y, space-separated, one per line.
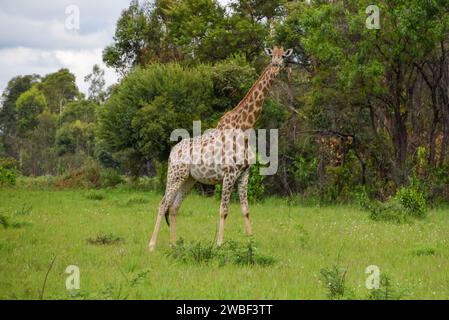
pixel 107 239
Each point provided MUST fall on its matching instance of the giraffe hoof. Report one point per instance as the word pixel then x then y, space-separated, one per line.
pixel 151 247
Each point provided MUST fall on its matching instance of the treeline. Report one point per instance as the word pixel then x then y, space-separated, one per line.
pixel 356 108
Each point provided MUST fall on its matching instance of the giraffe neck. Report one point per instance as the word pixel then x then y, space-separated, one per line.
pixel 246 113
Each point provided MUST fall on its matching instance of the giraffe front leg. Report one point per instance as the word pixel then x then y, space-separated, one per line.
pixel 243 195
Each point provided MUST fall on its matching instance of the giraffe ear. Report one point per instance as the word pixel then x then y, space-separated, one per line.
pixel 288 53
pixel 268 51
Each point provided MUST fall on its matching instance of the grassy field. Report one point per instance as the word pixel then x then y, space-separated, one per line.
pixel 302 240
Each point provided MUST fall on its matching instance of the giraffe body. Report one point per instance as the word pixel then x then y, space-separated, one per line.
pixel 222 155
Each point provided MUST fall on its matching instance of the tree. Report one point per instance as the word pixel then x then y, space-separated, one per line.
pixel 135 124
pixel 29 105
pixel 96 84
pixel 8 112
pixel 367 78
pixel 59 88
pixel 137 38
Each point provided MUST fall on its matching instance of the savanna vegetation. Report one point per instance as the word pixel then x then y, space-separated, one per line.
pixel 298 251
pixel 363 119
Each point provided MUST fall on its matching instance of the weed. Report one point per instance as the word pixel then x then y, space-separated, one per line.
pixel 200 252
pixel 303 235
pixel 25 210
pixel 136 200
pixel 386 291
pixel 105 239
pixel 426 251
pixel 95 195
pixel 334 281
pixel 6 222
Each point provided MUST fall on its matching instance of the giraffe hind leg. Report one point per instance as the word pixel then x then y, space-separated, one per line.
pixel 243 195
pixel 180 196
pixel 173 185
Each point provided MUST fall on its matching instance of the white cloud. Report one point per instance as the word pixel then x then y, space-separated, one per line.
pixel 49 34
pixel 21 61
pixel 34 37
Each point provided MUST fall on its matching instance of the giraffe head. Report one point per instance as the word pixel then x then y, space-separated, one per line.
pixel 278 55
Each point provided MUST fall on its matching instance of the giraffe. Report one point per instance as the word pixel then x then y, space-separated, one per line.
pixel 183 173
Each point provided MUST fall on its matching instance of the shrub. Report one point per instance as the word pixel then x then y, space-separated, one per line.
pixel 95 195
pixel 110 177
pixel 105 239
pixel 386 290
pixel 87 176
pixel 333 279
pixel 255 189
pixel 231 252
pixel 391 211
pixel 408 203
pixel 8 171
pixel 413 201
pixel 136 200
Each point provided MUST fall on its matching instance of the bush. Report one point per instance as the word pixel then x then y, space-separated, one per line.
pixel 256 188
pixel 8 171
pixel 334 281
pixel 110 177
pixel 105 239
pixel 200 252
pixel 408 203
pixel 413 201
pixel 95 195
pixel 386 290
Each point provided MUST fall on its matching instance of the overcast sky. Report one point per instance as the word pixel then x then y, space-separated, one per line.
pixel 36 36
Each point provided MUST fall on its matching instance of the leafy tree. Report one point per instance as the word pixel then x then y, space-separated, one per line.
pixel 29 105
pixel 97 83
pixel 59 88
pixel 364 78
pixel 83 110
pixel 8 112
pixel 137 38
pixel 135 124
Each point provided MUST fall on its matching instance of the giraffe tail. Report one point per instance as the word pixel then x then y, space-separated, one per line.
pixel 166 217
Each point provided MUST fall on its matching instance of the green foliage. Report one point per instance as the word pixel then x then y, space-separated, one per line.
pixel 305 171
pixel 239 254
pixel 29 105
pixel 88 176
pixel 110 177
pixel 190 31
pixel 390 211
pixel 200 252
pixel 137 120
pixel 97 83
pixel 136 200
pixel 256 188
pixel 426 251
pixel 105 239
pixel 408 203
pixel 95 195
pixel 82 110
pixel 59 88
pixel 8 171
pixel 386 291
pixel 413 201
pixel 8 111
pixel 333 279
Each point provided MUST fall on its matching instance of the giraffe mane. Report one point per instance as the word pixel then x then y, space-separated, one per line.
pixel 250 91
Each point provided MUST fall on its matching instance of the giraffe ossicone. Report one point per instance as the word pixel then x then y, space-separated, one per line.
pixel 221 155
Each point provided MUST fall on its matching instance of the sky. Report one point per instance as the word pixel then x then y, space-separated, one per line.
pixel 43 36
